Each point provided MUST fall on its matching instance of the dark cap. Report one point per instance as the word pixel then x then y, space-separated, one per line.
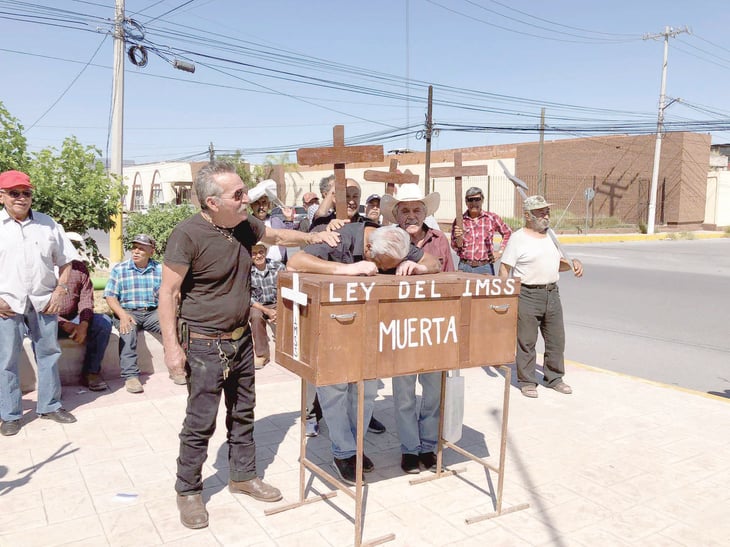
pixel 13 179
pixel 144 239
pixel 371 197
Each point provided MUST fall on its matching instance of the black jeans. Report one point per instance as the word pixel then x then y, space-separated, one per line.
pixel 205 372
pixel 540 308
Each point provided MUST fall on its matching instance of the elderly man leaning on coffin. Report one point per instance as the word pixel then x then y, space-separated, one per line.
pixel 364 249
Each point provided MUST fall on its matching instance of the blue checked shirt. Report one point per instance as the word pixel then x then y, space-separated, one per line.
pixel 135 288
pixel 263 282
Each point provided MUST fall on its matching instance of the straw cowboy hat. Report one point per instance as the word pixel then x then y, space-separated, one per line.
pixel 408 192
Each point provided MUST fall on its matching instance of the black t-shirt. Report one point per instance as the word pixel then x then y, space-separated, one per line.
pixel 216 290
pixel 351 248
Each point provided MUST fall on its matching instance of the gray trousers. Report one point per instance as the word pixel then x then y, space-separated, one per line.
pixel 540 309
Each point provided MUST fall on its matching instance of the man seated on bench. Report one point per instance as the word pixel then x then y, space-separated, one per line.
pixel 264 274
pixel 132 293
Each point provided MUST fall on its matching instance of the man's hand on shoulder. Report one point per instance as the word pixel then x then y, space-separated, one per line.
pixel 336 224
pixel 408 267
pixel 330 238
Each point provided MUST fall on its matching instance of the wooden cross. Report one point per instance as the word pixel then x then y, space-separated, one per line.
pixel 391 177
pixel 458 171
pixel 339 155
pixel 298 298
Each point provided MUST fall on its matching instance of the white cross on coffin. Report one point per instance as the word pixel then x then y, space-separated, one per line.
pixel 299 299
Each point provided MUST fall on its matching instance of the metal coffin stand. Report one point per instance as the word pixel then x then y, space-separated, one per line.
pixel 335 329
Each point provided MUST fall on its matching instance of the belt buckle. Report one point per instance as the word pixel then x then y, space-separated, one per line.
pixel 238 333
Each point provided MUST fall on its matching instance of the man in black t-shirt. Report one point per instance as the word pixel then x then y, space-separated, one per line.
pixel 207 272
pixel 364 249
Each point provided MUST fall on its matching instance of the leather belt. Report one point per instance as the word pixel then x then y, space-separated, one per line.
pixel 548 286
pixel 476 263
pixel 237 334
pixel 148 308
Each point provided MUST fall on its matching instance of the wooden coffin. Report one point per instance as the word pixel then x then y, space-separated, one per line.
pixel 354 328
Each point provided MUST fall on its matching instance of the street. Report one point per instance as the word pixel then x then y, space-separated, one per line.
pixel 653 309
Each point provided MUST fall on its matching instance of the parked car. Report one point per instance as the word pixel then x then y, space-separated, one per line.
pixel 299 213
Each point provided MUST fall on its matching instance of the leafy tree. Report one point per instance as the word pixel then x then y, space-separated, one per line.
pixel 73 187
pixel 266 169
pixel 13 145
pixel 158 222
pixel 243 168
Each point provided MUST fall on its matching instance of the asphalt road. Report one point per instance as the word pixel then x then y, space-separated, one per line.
pixel 654 309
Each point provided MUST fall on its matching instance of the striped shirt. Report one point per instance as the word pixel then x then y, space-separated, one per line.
pixel 263 282
pixel 134 287
pixel 478 239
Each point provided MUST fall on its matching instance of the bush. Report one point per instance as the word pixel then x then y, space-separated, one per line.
pixel 157 222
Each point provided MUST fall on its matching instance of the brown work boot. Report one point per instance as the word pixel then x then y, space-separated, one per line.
pixel 133 385
pixel 192 511
pixel 256 488
pixel 94 382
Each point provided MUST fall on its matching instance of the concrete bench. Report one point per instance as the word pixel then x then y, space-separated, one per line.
pixel 149 351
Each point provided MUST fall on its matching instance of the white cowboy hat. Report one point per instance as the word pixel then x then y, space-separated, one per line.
pixel 408 192
pixel 263 188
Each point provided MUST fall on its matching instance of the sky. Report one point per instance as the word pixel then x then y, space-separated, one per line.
pixel 275 75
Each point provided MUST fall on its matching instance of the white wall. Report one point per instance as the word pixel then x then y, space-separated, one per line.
pixel 717 204
pixel 165 173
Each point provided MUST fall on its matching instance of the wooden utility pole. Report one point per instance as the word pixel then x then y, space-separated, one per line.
pixel 428 134
pixel 211 153
pixel 339 155
pixel 458 171
pixel 391 177
pixel 540 188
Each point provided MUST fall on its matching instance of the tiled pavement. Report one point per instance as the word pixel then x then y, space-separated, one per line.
pixel 622 461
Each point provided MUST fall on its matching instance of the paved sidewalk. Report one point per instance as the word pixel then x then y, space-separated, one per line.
pixel 622 461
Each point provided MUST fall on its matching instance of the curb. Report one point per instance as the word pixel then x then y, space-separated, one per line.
pixel 620 238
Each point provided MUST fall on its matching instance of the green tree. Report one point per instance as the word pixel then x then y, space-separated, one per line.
pixel 73 187
pixel 266 169
pixel 158 222
pixel 13 145
pixel 243 168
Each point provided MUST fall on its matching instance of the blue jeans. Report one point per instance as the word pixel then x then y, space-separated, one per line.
pixel 484 269
pixel 339 409
pixel 146 320
pixel 418 429
pixel 205 384
pixel 97 339
pixel 43 330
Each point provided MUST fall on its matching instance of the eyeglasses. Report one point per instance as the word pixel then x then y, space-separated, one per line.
pixel 237 195
pixel 473 200
pixel 15 194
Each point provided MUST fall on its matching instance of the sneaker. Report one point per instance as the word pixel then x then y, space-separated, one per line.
pixel 133 385
pixel 375 426
pixel 94 382
pixel 346 470
pixel 410 463
pixel 562 387
pixel 260 362
pixel 312 427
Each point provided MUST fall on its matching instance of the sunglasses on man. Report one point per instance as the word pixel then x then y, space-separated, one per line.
pixel 15 194
pixel 473 200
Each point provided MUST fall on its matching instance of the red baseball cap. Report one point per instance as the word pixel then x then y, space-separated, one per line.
pixel 13 179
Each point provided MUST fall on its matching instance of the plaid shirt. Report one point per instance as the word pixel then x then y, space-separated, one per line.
pixel 263 282
pixel 478 236
pixel 80 299
pixel 135 288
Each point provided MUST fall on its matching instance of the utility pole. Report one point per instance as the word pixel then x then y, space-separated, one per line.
pixel 427 135
pixel 540 189
pixel 668 32
pixel 116 248
pixel 211 153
